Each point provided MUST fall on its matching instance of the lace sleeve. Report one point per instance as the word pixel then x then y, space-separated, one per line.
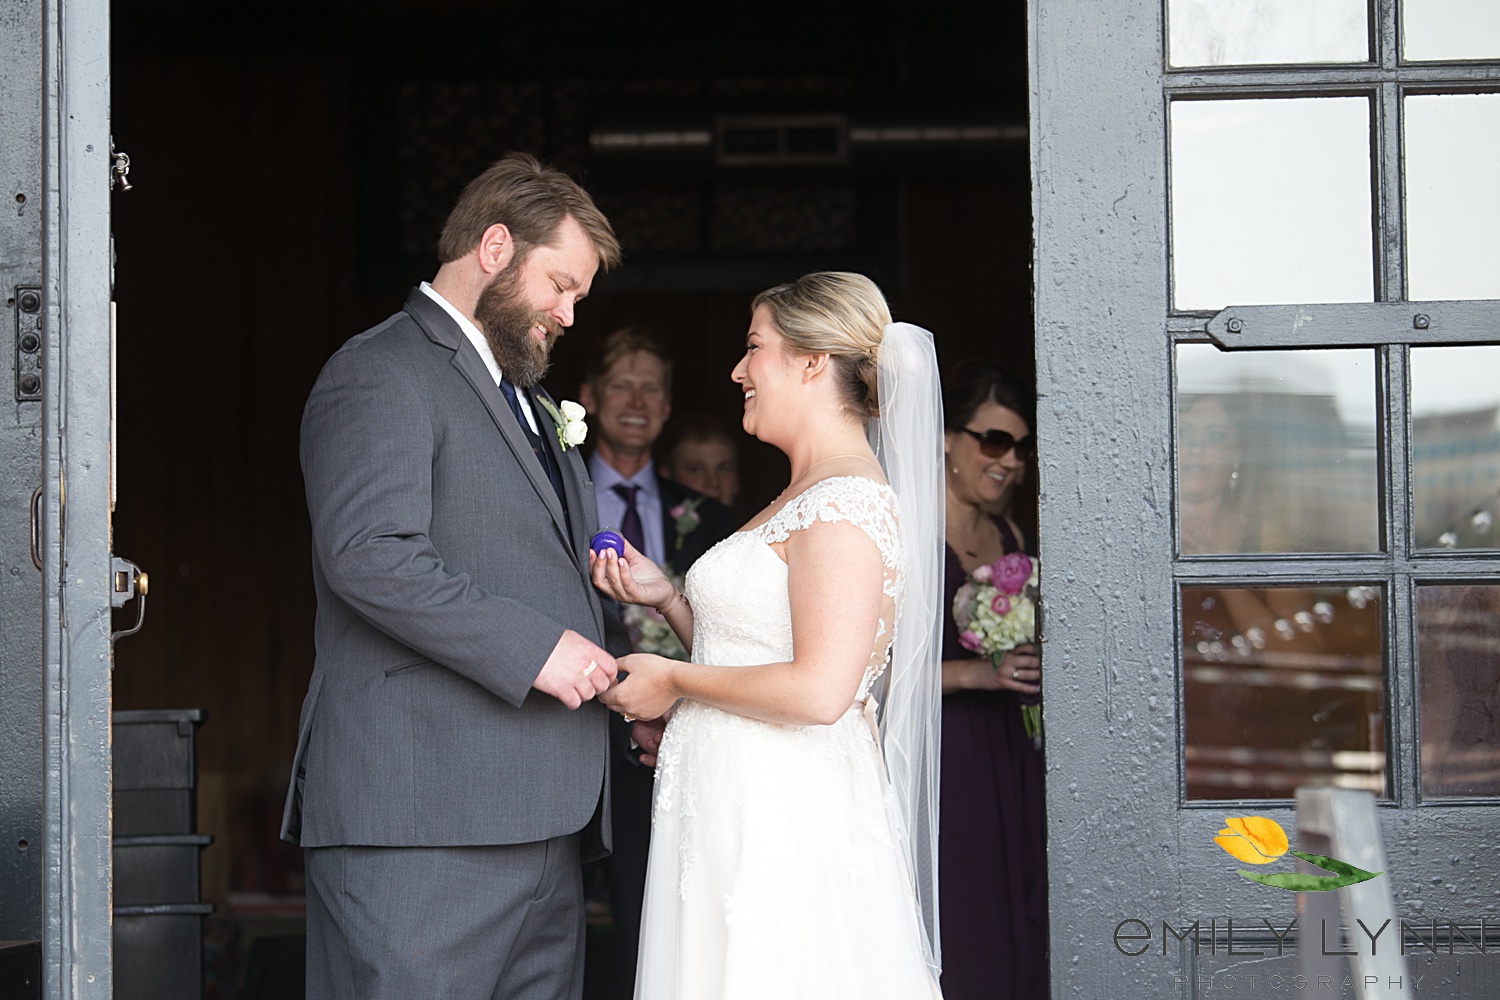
pixel 865 503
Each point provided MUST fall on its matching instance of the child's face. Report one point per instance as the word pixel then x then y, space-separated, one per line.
pixel 708 467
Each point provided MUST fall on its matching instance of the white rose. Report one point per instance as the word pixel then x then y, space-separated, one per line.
pixel 571 411
pixel 574 431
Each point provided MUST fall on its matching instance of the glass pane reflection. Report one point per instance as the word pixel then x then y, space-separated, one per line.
pixel 1282 687
pixel 1458 663
pixel 1271 202
pixel 1455 447
pixel 1246 32
pixel 1450 29
pixel 1452 153
pixel 1276 451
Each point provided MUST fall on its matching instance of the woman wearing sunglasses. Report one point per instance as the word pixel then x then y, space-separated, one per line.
pixel 991 847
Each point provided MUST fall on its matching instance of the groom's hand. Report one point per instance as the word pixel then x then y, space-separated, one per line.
pixel 576 671
pixel 645 736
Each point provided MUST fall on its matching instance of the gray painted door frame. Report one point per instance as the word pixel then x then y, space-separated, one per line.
pixel 1123 841
pixel 76 472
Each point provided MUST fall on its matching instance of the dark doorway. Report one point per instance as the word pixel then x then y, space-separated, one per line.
pixel 292 163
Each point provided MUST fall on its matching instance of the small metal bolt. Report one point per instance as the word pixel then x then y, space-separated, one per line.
pixel 30 385
pixel 1420 321
pixel 30 343
pixel 30 302
pixel 1236 325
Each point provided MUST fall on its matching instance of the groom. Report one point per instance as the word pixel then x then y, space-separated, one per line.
pixel 450 771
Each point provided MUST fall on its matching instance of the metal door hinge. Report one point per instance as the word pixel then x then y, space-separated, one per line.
pixel 28 319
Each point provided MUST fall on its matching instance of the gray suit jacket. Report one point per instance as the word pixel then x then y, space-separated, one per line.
pixel 445 572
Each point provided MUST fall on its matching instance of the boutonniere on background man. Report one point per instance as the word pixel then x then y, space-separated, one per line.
pixel 571 428
pixel 685 519
pixel 996 611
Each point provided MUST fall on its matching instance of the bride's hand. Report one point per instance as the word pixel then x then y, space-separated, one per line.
pixel 649 689
pixel 631 579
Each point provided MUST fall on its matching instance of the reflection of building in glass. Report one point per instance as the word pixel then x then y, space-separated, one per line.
pixel 1262 470
pixel 1458 663
pixel 1455 472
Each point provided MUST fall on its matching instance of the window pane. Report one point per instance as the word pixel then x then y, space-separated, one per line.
pixel 1271 202
pixel 1458 660
pixel 1450 29
pixel 1244 32
pixel 1276 451
pixel 1455 447
pixel 1452 152
pixel 1282 686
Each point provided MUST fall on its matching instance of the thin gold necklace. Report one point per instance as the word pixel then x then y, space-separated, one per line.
pixel 825 461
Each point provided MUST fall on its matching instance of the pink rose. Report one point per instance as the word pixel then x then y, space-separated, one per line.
pixel 982 574
pixel 969 640
pixel 675 512
pixel 1012 570
pixel 1000 605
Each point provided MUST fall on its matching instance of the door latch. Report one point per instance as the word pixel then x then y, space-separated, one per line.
pixel 128 582
pixel 119 167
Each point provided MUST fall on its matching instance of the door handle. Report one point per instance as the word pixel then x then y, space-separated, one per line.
pixel 128 582
pixel 36 527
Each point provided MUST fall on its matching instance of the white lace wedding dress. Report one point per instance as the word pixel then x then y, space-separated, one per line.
pixel 774 872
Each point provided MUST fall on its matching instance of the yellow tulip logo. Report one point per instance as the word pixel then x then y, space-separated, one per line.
pixel 1257 840
pixel 1254 840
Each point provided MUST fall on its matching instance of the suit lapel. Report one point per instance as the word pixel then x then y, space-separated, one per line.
pixel 575 477
pixel 672 494
pixel 442 330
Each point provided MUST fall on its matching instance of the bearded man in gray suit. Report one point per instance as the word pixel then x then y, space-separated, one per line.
pixel 451 765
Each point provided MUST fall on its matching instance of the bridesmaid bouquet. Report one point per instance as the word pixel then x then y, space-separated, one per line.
pixel 650 633
pixel 995 611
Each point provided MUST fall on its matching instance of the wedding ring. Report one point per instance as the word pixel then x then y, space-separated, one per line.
pixel 593 665
pixel 1015 674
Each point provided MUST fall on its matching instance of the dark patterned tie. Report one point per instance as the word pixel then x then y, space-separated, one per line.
pixel 538 447
pixel 630 525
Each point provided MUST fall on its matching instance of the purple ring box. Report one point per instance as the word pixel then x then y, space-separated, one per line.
pixel 607 540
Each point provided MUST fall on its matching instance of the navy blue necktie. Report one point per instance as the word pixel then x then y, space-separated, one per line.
pixel 630 525
pixel 538 447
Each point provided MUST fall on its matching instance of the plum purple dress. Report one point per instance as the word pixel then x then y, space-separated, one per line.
pixel 992 857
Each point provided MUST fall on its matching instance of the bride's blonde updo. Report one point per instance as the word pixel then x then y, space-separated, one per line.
pixel 838 313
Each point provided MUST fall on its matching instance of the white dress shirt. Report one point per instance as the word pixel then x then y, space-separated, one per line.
pixel 647 503
pixel 485 354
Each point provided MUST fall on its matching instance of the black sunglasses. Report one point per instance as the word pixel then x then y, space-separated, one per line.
pixel 995 444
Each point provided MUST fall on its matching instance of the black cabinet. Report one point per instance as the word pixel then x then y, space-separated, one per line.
pixel 158 919
pixel 21 970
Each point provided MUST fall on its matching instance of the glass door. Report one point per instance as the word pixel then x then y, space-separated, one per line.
pixel 1269 350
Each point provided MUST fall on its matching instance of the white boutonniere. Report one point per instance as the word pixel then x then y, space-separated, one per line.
pixel 571 428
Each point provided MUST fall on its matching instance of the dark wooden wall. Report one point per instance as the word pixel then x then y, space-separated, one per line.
pixel 241 268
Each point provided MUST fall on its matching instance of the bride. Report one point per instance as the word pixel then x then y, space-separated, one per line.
pixel 793 838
